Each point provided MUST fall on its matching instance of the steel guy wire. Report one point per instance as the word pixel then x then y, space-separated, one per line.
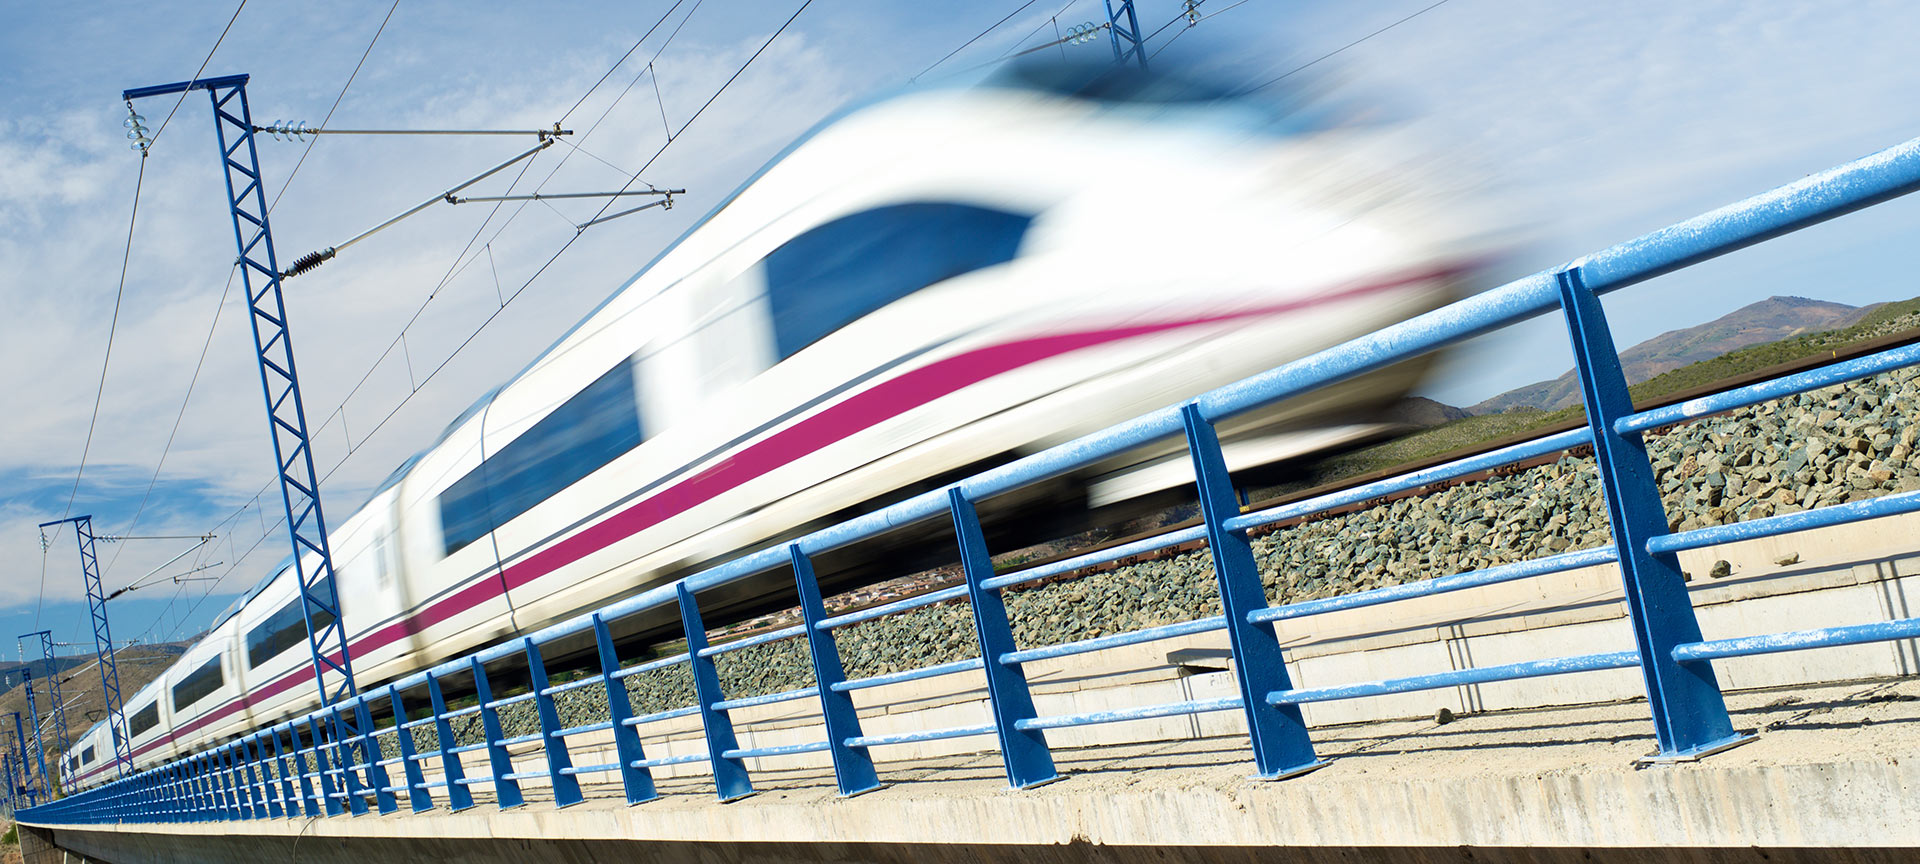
pixel 336 106
pixel 1298 69
pixel 196 75
pixel 976 38
pixel 1191 24
pixel 1055 21
pixel 119 293
pixel 616 64
pixel 1176 19
pixel 177 418
pixel 113 326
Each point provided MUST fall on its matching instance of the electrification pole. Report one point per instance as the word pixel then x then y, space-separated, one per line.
pixel 286 419
pixel 53 691
pixel 1125 34
pixel 33 720
pixel 6 767
pixel 102 642
pixel 25 785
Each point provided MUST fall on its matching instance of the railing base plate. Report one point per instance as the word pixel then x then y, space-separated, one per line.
pixel 1738 739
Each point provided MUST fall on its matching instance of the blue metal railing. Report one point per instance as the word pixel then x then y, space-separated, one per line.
pixel 293 768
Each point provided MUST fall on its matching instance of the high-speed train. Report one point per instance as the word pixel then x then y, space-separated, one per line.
pixel 923 285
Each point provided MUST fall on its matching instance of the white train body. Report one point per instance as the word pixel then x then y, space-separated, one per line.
pixel 927 282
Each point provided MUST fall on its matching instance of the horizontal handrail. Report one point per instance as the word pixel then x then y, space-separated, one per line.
pixel 1440 584
pixel 1171 709
pixel 1799 640
pixel 1101 643
pixel 1426 476
pixel 1773 388
pixel 1473 675
pixel 765 699
pixel 749 642
pixel 1787 523
pixel 935 671
pixel 1096 557
pixel 894 608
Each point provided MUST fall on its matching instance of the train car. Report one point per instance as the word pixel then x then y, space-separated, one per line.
pixel 923 285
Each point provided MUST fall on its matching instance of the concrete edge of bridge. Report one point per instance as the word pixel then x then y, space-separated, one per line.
pixel 1829 778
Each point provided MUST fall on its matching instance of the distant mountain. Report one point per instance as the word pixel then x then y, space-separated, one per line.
pixel 1769 320
pixel 1423 412
pixel 11 674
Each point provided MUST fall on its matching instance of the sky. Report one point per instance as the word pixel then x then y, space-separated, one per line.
pixel 1585 124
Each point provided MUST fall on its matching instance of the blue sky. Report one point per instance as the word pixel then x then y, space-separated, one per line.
pixel 1588 123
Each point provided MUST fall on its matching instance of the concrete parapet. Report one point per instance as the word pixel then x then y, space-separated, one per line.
pixel 1829 778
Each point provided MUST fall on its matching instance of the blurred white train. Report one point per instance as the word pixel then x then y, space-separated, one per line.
pixel 923 285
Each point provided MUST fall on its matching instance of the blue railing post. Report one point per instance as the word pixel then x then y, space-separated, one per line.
pixel 506 790
pixel 309 803
pixel 267 805
pixel 236 770
pixel 1281 746
pixel 343 760
pixel 416 779
pixel 566 787
pixel 269 795
pixel 638 782
pixel 852 766
pixel 178 792
pixel 459 797
pixel 199 801
pixel 245 783
pixel 200 790
pixel 229 801
pixel 171 804
pixel 329 796
pixel 216 789
pixel 277 802
pixel 289 792
pixel 730 780
pixel 1689 714
pixel 1024 751
pixel 382 787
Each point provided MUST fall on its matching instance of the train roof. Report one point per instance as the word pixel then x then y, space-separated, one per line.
pixel 241 602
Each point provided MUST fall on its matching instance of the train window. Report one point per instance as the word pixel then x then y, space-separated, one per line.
pixel 144 719
pixel 836 273
pixel 589 430
pixel 198 684
pixel 285 628
pixel 86 756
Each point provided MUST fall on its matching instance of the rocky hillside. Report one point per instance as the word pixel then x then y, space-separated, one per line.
pixel 11 674
pixel 80 687
pixel 1769 320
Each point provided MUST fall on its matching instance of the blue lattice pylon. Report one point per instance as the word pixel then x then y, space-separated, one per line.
pixel 33 722
pixel 23 786
pixel 53 692
pixel 1123 28
pixel 286 414
pixel 102 642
